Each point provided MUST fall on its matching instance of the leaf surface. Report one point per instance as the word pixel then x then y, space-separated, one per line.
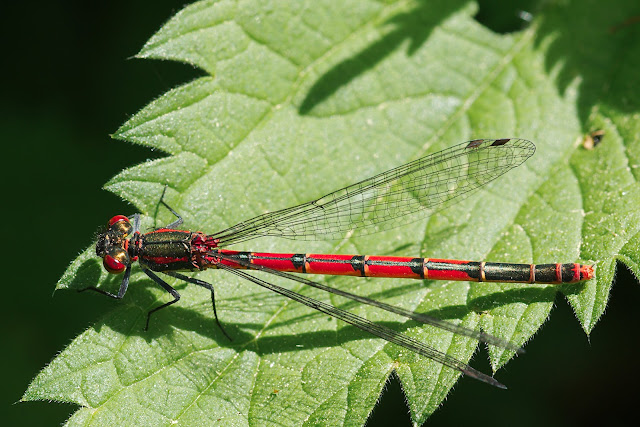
pixel 303 98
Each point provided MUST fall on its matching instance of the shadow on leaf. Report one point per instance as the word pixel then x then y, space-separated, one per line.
pixel 520 295
pixel 415 25
pixel 130 317
pixel 598 45
pixel 88 274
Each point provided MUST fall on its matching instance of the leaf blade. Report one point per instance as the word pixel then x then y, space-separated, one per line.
pixel 214 124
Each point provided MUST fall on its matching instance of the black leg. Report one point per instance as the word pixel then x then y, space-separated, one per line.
pixel 206 286
pixel 166 287
pixel 136 224
pixel 178 221
pixel 123 286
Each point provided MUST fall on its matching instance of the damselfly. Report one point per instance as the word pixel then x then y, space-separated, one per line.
pixel 395 197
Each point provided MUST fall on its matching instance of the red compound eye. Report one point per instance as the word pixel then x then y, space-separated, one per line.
pixel 117 218
pixel 116 261
pixel 112 265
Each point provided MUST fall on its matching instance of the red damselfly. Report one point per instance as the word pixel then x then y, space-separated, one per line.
pixel 384 201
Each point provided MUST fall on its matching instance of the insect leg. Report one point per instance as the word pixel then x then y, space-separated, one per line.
pixel 123 286
pixel 178 221
pixel 166 287
pixel 206 286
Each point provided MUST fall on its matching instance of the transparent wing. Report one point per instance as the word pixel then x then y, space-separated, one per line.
pixel 390 199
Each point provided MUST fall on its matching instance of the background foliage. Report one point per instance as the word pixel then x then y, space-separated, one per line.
pixel 53 115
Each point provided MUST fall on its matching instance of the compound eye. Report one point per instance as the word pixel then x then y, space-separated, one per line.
pixel 117 218
pixel 116 261
pixel 120 224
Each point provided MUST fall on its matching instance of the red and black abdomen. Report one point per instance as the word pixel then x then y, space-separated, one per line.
pixel 165 249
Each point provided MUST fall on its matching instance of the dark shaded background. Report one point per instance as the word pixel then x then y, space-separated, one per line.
pixel 68 84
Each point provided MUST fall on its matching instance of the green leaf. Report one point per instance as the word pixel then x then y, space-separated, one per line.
pixel 303 98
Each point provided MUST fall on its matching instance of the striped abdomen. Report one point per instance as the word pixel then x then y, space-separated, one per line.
pixel 411 268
